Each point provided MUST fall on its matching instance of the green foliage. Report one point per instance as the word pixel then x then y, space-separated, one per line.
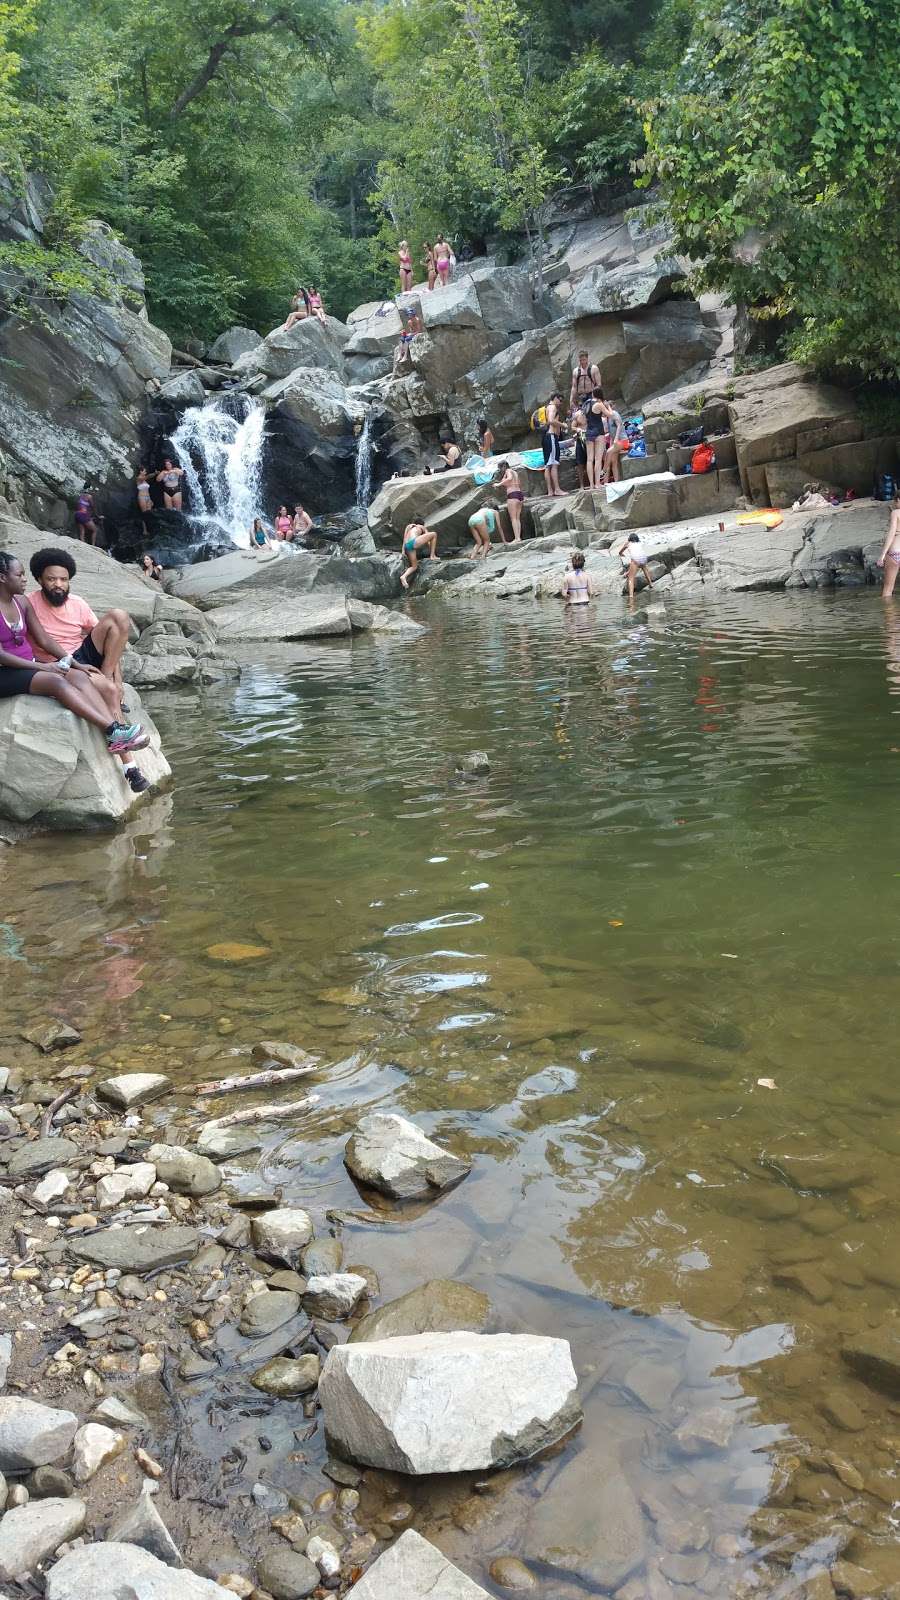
pixel 777 150
pixel 597 128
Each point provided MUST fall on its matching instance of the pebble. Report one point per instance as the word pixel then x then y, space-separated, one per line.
pixel 17 1496
pixel 291 1527
pixel 287 1574
pixel 93 1446
pixel 348 1499
pixel 147 1464
pixel 323 1553
pixel 839 1409
pixel 511 1573
pixel 286 1378
pixel 342 1472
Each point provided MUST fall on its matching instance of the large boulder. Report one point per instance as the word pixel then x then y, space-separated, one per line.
pixel 785 413
pixel 411 1568
pixel 448 1402
pixel 453 305
pixel 506 301
pixel 310 343
pixel 55 769
pixel 33 1435
pixel 231 344
pixel 625 288
pixel 114 1571
pixel 31 1533
pixel 444 353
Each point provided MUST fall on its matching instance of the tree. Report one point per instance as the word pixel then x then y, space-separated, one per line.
pixel 777 151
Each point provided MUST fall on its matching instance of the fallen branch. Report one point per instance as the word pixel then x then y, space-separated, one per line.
pixel 57 1105
pixel 254 1080
pixel 265 1113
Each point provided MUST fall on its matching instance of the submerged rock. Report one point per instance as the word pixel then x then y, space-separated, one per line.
pixel 448 1402
pixel 391 1154
pixel 875 1357
pixel 31 1533
pixel 267 1311
pixel 32 1435
pixel 412 1568
pixel 285 1378
pixel 111 1571
pixel 589 1523
pixel 441 1306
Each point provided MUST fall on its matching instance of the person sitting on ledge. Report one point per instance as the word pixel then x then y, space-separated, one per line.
pixel 88 694
pixel 95 646
pixel 451 456
pixel 151 568
pixel 302 522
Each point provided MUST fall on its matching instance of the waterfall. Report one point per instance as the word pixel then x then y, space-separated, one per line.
pixel 364 464
pixel 220 446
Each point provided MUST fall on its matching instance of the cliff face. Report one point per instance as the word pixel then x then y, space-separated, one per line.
pixel 73 377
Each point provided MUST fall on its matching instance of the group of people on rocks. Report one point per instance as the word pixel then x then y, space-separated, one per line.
pixel 420 542
pixel 438 260
pixel 287 528
pixel 598 429
pixel 53 645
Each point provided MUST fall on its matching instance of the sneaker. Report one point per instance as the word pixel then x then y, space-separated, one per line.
pixel 136 780
pixel 127 736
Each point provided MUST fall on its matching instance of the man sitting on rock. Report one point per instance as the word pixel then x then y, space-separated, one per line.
pixel 95 645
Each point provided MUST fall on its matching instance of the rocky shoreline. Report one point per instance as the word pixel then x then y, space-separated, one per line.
pixel 203 1394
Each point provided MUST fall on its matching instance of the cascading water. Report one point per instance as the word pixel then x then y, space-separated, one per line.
pixel 220 446
pixel 364 463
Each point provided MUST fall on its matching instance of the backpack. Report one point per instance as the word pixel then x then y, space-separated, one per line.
pixel 692 436
pixel 703 458
pixel 885 486
pixel 539 418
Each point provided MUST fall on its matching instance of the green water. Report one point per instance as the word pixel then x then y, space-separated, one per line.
pixel 679 878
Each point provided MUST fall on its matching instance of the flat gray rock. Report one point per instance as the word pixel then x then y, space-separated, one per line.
pixel 132 1089
pixel 31 1533
pixel 412 1568
pixel 116 1571
pixel 39 1155
pixel 137 1249
pixel 32 1435
pixel 389 1153
pixel 440 1306
pixel 448 1402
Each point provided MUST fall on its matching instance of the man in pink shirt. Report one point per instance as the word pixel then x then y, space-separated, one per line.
pixel 95 644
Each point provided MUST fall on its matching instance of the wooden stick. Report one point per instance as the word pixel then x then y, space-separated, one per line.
pixel 265 1113
pixel 57 1105
pixel 254 1080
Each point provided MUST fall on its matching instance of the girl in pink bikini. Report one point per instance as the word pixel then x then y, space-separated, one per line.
pixel 442 254
pixel 406 267
pixel 315 305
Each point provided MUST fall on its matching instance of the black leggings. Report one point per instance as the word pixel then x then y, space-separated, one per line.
pixel 16 680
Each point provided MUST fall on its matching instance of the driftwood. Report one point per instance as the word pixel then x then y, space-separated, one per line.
pixel 255 1080
pixel 265 1113
pixel 57 1105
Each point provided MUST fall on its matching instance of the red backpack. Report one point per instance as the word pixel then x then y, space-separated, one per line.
pixel 703 458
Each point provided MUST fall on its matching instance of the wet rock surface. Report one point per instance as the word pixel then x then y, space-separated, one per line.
pixel 388 1152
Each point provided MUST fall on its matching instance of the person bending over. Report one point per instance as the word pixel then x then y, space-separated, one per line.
pixel 416 537
pixel 482 525
pixel 88 694
pixel 634 560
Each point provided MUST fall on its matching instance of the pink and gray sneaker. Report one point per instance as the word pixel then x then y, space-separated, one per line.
pixel 127 736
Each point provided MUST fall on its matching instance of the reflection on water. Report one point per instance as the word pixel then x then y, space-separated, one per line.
pixel 636 970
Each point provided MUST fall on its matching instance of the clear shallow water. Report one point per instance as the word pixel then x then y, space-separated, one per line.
pixel 677 880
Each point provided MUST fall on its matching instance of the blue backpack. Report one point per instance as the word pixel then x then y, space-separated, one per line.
pixel 885 486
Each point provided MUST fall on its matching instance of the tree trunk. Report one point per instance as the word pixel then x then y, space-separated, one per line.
pixel 237 30
pixel 353 225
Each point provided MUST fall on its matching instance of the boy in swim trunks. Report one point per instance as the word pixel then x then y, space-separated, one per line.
pixel 890 554
pixel 416 537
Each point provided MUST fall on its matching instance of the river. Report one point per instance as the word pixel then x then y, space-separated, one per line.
pixel 643 972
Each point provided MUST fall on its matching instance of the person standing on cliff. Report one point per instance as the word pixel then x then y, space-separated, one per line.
pixel 889 560
pixel 585 379
pixel 550 443
pixel 404 262
pixel 86 518
pixel 170 478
